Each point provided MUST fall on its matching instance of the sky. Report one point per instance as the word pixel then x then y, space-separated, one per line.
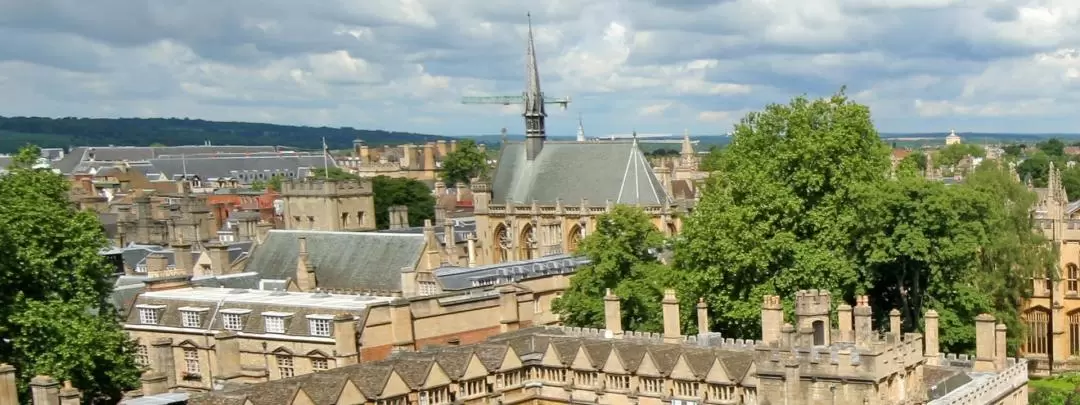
pixel 652 66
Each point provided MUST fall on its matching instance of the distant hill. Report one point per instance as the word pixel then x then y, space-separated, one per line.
pixel 16 132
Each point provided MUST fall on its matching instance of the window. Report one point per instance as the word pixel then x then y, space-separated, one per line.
pixel 509 378
pixel 473 387
pixel 555 375
pixel 191 361
pixel 1072 274
pixel 749 396
pixel 274 324
pixel 285 366
pixel 191 319
pixel 537 308
pixel 142 356
pixel 402 400
pixel 148 316
pixel 319 326
pixel 434 396
pixel 618 382
pixel 1038 322
pixel 585 378
pixel 320 364
pixel 428 288
pixel 652 385
pixel 721 392
pixel 685 389
pixel 233 321
pixel 1074 333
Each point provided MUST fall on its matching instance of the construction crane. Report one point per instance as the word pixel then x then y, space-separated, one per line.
pixel 512 100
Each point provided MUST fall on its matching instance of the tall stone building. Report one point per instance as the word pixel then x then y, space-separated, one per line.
pixel 418 162
pixel 329 205
pixel 804 363
pixel 544 196
pixel 161 218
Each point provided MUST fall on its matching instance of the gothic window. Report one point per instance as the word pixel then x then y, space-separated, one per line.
pixel 528 243
pixel 1074 333
pixel 574 238
pixel 503 244
pixel 1038 323
pixel 1072 274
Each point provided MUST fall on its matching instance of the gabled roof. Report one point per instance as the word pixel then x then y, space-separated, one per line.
pixel 342 260
pixel 572 171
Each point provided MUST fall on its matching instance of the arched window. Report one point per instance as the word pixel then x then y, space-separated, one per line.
pixel 502 244
pixel 528 243
pixel 573 239
pixel 1038 324
pixel 1074 333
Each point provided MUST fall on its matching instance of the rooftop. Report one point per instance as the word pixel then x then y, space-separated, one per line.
pixel 223 296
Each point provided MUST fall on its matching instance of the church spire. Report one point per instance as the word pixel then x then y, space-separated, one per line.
pixel 534 102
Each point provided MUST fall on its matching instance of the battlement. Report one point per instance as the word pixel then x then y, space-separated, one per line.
pixel 772 302
pixel 326 188
pixel 712 340
pixel 887 356
pixel 813 302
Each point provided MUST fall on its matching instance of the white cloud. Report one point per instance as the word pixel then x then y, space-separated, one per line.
pixel 650 65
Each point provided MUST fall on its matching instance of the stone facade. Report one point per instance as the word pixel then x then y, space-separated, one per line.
pixel 161 219
pixel 329 205
pixel 418 162
pixel 815 364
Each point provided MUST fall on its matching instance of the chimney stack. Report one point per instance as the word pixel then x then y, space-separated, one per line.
pixel 220 264
pixel 985 345
pixel 9 392
pixel 702 316
pixel 45 390
pixel 345 348
pixel 69 395
pixel 227 348
pixel 1000 347
pixel 460 188
pixel 429 156
pixel 894 323
pixel 772 319
pixel 930 338
pixel 159 277
pixel 182 256
pixel 508 309
pixel 399 216
pixel 672 333
pixel 843 315
pixel 471 246
pixel 305 272
pixel 864 328
pixel 613 314
pixel 401 325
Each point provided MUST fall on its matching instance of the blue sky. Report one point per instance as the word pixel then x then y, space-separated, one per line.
pixel 645 65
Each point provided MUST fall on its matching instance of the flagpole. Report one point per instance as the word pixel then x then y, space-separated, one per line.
pixel 325 158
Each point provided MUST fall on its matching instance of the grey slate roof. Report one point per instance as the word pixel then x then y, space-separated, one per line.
pixel 571 171
pixel 460 278
pixel 342 260
pixel 77 159
pixel 242 167
pixel 127 288
pixel 462 228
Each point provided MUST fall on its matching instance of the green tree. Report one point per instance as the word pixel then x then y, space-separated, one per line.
pixel 778 214
pixel 623 252
pixel 951 154
pixel 55 313
pixel 1014 150
pixel 464 164
pixel 274 183
pixel 1036 168
pixel 1053 147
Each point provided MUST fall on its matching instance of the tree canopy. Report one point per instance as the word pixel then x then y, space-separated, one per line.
pixel 622 252
pixel 55 312
pixel 464 164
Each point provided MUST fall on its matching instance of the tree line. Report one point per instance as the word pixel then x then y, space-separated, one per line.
pixel 804 198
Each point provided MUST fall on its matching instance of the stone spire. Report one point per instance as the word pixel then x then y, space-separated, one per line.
pixel 580 130
pixel 1053 184
pixel 534 103
pixel 687 147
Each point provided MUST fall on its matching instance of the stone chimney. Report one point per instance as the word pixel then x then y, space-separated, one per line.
pixel 481 196
pixel 672 333
pixel 401 325
pixel 45 390
pixel 227 350
pixel 772 319
pixel 9 392
pixel 182 256
pixel 441 146
pixel 985 345
pixel 163 361
pixel 450 242
pixel 262 230
pixel 365 154
pixel 408 156
pixel 864 327
pixel 399 216
pixel 460 189
pixel 613 314
pixel 429 156
pixel 432 257
pixel 220 263
pixel 1001 345
pixel 702 316
pixel 440 190
pixel 159 277
pixel 930 338
pixel 154 382
pixel 69 395
pixel 345 347
pixel 843 315
pixel 895 324
pixel 471 247
pixel 787 336
pixel 440 213
pixel 508 309
pixel 305 272
pixel 664 175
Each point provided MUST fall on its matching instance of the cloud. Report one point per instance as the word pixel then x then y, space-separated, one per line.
pixel 649 65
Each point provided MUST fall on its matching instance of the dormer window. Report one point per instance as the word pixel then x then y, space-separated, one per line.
pixel 150 314
pixel 191 317
pixel 319 325
pixel 233 319
pixel 274 322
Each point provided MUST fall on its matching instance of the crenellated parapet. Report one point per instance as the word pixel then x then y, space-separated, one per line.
pixel 326 188
pixel 990 390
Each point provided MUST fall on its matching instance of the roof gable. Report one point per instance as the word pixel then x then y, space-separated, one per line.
pixel 436 377
pixel 475 369
pixel 648 367
pixel 395 386
pixel 682 371
pixel 582 361
pixel 302 398
pixel 718 374
pixel 614 365
pixel 350 395
pixel 511 360
pixel 551 357
pixel 750 378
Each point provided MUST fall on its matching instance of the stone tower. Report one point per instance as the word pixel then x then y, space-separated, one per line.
pixel 812 317
pixel 329 205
